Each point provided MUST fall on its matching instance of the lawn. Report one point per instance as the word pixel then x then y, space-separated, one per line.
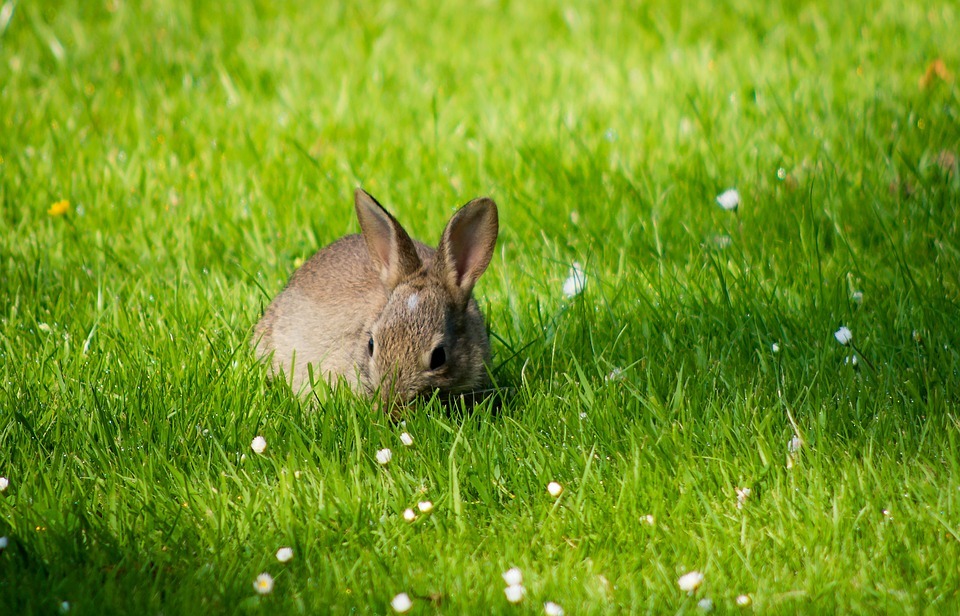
pixel 166 165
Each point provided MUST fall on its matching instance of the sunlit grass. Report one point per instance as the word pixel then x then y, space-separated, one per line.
pixel 165 166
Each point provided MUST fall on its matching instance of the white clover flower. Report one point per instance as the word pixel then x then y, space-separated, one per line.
pixel 401 604
pixel 843 335
pixel 514 593
pixel 775 347
pixel 263 584
pixel 284 554
pixel 552 609
pixel 259 444
pixel 575 282
pixel 406 439
pixel 729 200
pixel 744 600
pixel 409 515
pixel 4 484
pixel 690 582
pixel 425 506
pixel 513 576
pixel 554 489
pixel 384 456
pixel 705 604
pixel 742 495
pixel 3 543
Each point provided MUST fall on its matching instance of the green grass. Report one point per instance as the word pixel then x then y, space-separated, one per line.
pixel 206 148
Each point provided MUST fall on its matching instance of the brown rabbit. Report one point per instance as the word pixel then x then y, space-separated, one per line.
pixel 384 312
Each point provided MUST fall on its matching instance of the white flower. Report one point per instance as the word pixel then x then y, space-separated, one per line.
pixel 4 484
pixel 263 584
pixel 648 519
pixel 615 375
pixel 795 444
pixel 284 554
pixel 384 456
pixel 705 604
pixel 409 515
pixel 575 282
pixel 554 489
pixel 3 543
pixel 514 593
pixel 401 604
pixel 857 297
pixel 744 600
pixel 690 582
pixel 425 506
pixel 552 609
pixel 259 444
pixel 843 335
pixel 406 439
pixel 775 347
pixel 742 495
pixel 729 199
pixel 513 576
pixel 64 607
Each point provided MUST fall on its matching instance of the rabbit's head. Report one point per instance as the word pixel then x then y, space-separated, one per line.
pixel 430 334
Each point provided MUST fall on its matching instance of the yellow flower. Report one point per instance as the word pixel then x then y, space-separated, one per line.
pixel 59 208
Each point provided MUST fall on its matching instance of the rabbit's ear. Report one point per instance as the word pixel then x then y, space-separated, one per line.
pixel 467 246
pixel 391 249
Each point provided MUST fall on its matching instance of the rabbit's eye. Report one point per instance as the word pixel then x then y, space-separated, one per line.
pixel 370 346
pixel 438 358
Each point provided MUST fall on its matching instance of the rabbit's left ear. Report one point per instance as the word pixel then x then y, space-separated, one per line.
pixel 467 246
pixel 391 249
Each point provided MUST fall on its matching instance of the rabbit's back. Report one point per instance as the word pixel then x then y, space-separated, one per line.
pixel 324 313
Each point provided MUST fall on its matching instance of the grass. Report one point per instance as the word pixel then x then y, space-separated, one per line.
pixel 205 149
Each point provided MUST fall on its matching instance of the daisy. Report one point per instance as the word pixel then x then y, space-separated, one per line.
pixel 514 593
pixel 554 489
pixel 690 582
pixel 409 515
pixel 744 600
pixel 263 584
pixel 284 554
pixel 406 439
pixel 552 609
pixel 384 456
pixel 575 282
pixel 4 484
pixel 729 200
pixel 742 495
pixel 425 506
pixel 513 576
pixel 401 604
pixel 259 444
pixel 843 335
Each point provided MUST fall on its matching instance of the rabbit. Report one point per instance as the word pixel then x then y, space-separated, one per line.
pixel 385 313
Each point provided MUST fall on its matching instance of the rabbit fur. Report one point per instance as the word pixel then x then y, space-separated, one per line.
pixel 385 313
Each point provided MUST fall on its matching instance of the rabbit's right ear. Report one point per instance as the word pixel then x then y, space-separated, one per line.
pixel 391 249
